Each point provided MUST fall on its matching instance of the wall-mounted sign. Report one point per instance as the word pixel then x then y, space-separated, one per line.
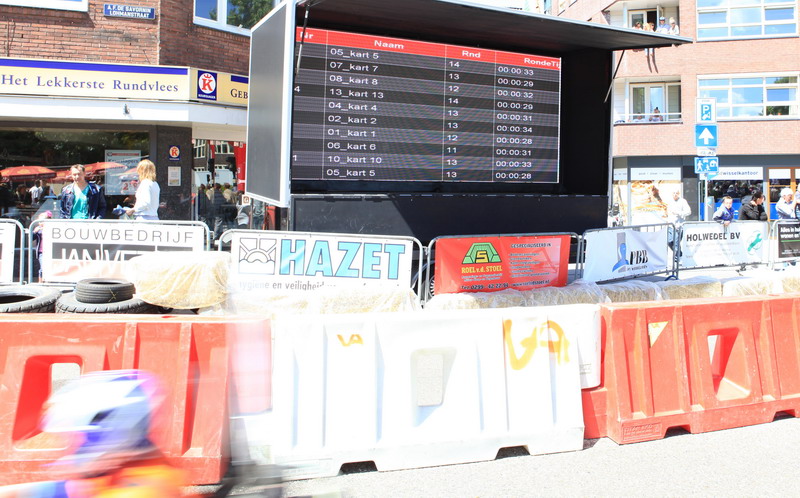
pixel 174 176
pixel 174 153
pixel 129 11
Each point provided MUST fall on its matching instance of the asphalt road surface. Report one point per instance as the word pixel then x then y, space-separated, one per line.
pixel 753 461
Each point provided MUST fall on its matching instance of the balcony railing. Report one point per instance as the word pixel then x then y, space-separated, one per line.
pixel 651 118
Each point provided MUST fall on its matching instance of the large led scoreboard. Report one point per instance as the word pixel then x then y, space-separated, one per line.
pixel 376 108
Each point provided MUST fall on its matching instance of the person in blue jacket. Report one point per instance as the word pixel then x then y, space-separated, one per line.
pixel 724 214
pixel 82 199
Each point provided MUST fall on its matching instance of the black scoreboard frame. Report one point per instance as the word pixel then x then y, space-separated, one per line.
pixel 586 51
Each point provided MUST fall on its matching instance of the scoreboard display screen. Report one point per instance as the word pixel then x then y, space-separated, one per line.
pixel 374 108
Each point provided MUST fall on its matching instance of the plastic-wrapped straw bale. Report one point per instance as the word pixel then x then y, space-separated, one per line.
pixel 331 301
pixel 366 300
pixel 507 298
pixel 699 286
pixel 180 279
pixel 755 285
pixel 458 301
pixel 578 292
pixel 790 279
pixel 631 291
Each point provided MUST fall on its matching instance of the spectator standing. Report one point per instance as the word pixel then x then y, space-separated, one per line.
pixel 662 25
pixel 81 199
pixel 724 214
pixel 36 192
pixel 218 210
pixel 147 193
pixel 754 209
pixel 786 206
pixel 37 242
pixel 678 209
pixel 674 29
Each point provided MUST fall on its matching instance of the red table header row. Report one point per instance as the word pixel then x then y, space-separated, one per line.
pixel 402 46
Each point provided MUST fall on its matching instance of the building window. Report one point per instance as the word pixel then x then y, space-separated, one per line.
pixel 79 5
pixel 722 19
pixel 239 15
pixel 654 103
pixel 223 148
pixel 199 148
pixel 753 97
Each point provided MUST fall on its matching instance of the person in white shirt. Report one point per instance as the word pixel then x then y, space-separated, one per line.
pixel 786 206
pixel 674 29
pixel 147 193
pixel 678 209
pixel 36 192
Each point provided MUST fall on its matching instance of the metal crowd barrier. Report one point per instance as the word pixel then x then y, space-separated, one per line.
pixel 430 250
pixel 108 241
pixel 708 244
pixel 10 257
pixel 784 242
pixel 233 239
pixel 618 259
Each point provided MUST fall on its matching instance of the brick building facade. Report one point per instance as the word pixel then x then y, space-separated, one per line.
pixel 744 55
pixel 91 77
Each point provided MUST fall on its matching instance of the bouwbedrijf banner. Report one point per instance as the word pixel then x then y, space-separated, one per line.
pixel 618 254
pixel 713 244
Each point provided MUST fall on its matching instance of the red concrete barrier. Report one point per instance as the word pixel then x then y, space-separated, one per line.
pixel 188 354
pixel 702 365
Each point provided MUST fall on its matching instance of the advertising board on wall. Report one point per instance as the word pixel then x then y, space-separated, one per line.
pixel 489 264
pixel 303 262
pixel 712 244
pixel 77 249
pixel 618 254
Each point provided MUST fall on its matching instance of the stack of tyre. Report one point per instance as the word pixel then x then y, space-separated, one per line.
pixel 96 295
pixel 93 295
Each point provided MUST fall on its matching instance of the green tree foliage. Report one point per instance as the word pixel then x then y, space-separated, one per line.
pixel 246 13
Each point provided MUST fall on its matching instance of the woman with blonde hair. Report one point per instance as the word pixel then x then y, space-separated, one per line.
pixel 147 193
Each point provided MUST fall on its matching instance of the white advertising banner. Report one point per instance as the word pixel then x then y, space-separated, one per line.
pixel 616 254
pixel 712 244
pixel 120 181
pixel 295 261
pixel 77 249
pixel 8 241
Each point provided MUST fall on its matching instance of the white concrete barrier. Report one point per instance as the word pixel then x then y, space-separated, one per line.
pixel 409 390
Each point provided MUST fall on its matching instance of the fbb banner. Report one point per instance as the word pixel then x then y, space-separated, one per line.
pixel 8 241
pixel 712 244
pixel 489 264
pixel 618 254
pixel 296 261
pixel 788 234
pixel 77 249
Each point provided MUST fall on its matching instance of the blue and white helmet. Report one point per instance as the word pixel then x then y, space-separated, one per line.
pixel 112 410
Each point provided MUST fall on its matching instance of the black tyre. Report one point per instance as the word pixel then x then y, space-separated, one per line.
pixel 68 303
pixel 103 290
pixel 28 299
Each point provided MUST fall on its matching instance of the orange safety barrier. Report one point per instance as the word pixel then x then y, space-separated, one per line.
pixel 702 365
pixel 188 354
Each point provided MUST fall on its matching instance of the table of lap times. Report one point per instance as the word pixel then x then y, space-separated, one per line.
pixel 387 109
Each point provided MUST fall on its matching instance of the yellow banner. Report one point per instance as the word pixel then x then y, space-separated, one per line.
pixel 221 88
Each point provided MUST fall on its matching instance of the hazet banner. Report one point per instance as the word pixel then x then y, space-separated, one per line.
pixel 489 264
pixel 77 249
pixel 712 244
pixel 297 261
pixel 618 254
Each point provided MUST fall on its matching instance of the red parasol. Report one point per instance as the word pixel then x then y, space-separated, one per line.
pixel 23 173
pixel 63 175
pixel 101 167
